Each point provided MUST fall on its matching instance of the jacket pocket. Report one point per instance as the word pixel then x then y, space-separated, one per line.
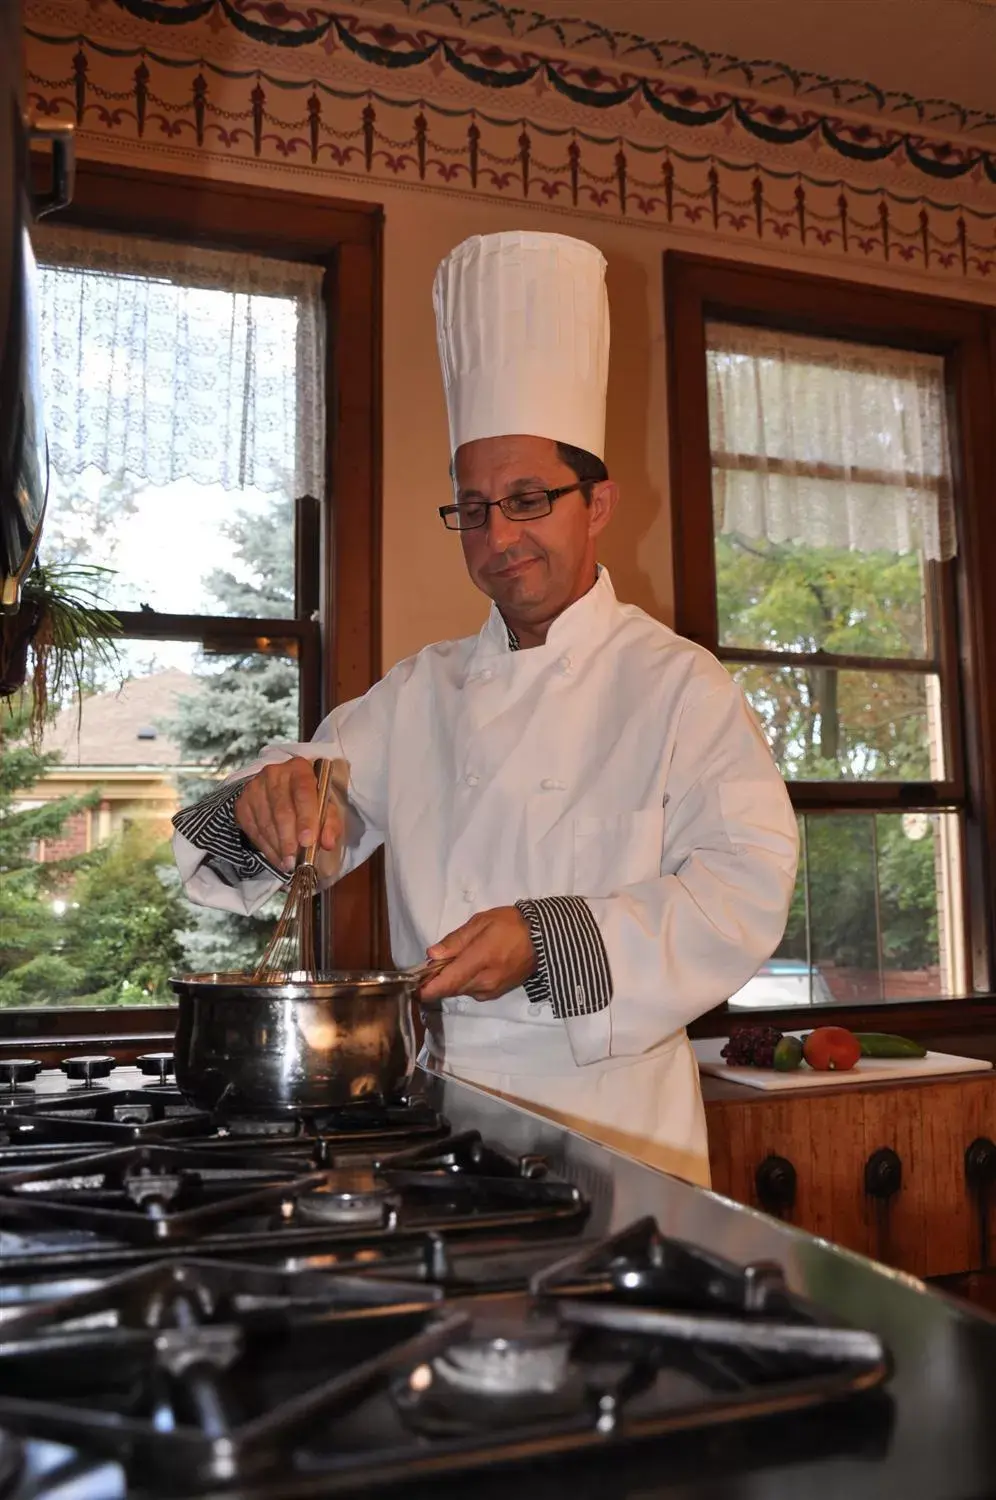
pixel 610 853
pixel 758 815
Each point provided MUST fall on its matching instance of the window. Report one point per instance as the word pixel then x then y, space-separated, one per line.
pixel 191 447
pixel 184 407
pixel 817 434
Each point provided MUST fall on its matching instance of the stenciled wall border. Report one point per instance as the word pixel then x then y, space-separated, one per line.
pixel 587 37
pixel 781 122
pixel 283 24
pixel 319 90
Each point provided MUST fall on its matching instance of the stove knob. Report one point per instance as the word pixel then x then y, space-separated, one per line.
pixel 15 1070
pixel 157 1065
pixel 980 1162
pixel 775 1183
pixel 883 1174
pixel 87 1070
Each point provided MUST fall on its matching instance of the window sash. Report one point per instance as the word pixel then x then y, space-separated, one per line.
pixel 216 368
pixel 790 413
pixel 338 563
pixel 962 604
pixel 840 794
pixel 951 791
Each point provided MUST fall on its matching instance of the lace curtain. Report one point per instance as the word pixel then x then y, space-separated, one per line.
pixel 828 444
pixel 173 362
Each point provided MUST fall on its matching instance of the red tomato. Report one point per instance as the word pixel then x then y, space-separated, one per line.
pixel 831 1049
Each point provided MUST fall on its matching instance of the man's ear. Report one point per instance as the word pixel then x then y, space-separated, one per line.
pixel 604 499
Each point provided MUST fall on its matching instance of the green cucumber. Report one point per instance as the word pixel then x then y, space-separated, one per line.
pixel 880 1044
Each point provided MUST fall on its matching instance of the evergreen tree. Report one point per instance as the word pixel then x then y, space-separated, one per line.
pixel 29 927
pixel 251 701
pixel 121 929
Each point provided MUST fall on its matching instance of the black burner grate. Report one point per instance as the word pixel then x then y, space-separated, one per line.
pixel 158 1198
pixel 113 1115
pixel 206 1373
pixel 56 1126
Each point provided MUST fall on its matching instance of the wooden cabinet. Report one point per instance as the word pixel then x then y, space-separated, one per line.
pixel 928 1209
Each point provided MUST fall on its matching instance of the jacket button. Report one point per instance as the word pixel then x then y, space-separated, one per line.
pixel 487 675
pixel 549 784
pixel 534 1009
pixel 468 894
pixel 566 664
pixel 471 779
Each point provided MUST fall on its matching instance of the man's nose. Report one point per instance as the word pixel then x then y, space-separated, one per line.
pixel 502 533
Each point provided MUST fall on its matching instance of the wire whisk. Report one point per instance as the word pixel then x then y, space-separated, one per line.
pixel 291 949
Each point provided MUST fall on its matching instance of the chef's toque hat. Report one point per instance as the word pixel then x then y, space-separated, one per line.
pixel 522 321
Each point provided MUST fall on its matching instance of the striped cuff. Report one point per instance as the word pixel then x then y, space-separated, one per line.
pixel 572 972
pixel 211 827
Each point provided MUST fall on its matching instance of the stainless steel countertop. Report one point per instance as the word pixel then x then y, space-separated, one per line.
pixel 937 1442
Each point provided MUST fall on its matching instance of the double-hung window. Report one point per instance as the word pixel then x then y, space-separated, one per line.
pixel 823 515
pixel 200 483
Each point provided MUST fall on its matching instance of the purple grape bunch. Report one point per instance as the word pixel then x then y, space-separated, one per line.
pixel 752 1047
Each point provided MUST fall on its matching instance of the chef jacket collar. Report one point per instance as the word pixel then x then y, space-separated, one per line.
pixel 581 621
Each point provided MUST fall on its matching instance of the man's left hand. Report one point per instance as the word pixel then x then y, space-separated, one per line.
pixel 485 958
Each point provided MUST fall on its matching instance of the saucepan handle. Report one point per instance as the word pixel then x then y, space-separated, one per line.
pixel 421 972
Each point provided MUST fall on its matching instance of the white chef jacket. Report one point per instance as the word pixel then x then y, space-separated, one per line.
pixel 618 762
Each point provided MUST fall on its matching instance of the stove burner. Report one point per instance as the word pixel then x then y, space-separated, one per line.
pixel 287 1127
pixel 507 1366
pixel 346 1198
pixel 11 1461
pixel 154 1192
pixel 507 1373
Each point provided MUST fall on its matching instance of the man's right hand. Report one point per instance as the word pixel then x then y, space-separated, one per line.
pixel 278 810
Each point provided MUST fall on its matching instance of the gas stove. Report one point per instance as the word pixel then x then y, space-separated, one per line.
pixel 348 1303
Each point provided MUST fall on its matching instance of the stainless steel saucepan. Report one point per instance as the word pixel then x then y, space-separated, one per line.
pixel 311 1043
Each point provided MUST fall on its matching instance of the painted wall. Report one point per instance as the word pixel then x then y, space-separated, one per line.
pixel 426 594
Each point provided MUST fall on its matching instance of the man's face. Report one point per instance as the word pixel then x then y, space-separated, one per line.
pixel 531 569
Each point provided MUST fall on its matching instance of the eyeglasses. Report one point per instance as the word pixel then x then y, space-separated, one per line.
pixel 532 505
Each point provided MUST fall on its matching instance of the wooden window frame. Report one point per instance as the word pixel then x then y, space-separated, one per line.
pixel 338 543
pixel 697 289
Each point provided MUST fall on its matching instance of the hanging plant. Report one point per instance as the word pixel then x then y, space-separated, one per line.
pixel 59 634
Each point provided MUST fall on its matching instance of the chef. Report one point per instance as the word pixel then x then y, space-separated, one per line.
pixel 578 811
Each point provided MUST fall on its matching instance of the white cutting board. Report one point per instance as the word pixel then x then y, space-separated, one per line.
pixel 866 1070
